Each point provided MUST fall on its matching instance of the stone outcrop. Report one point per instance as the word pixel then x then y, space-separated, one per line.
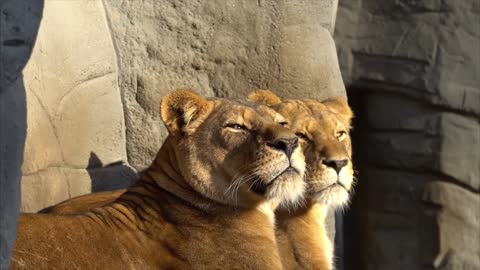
pixel 414 65
pixel 75 115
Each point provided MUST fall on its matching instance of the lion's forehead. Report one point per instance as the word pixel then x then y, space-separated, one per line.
pixel 270 113
pixel 326 135
pixel 311 116
pixel 294 111
pixel 326 121
pixel 245 111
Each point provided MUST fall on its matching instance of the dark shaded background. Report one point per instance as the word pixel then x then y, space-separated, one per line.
pixel 19 32
pixel 412 73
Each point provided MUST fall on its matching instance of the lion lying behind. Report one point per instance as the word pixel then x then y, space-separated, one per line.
pixel 323 128
pixel 204 203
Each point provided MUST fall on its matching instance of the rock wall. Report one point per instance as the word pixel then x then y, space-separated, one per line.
pixel 413 66
pixel 74 110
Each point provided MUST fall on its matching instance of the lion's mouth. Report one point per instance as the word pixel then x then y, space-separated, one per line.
pixel 333 185
pixel 261 187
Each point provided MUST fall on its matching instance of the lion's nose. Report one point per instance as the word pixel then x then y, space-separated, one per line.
pixel 286 145
pixel 337 165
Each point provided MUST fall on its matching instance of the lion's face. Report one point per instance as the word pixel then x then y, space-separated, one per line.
pixel 235 152
pixel 327 148
pixel 323 129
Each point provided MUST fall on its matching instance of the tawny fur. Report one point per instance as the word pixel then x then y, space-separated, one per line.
pixel 300 233
pixel 302 238
pixel 180 215
pixel 324 127
pixel 84 203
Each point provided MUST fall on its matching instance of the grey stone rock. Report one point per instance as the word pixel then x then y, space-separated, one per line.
pixel 412 136
pixel 459 225
pixel 392 211
pixel 56 184
pixel 414 221
pixel 53 185
pixel 74 106
pixel 416 64
pixel 424 49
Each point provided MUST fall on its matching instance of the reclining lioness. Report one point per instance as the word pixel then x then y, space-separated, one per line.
pixel 204 203
pixel 323 128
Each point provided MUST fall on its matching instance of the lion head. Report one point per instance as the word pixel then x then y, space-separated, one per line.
pixel 234 152
pixel 323 128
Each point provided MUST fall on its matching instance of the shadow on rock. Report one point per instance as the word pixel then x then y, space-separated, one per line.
pixel 112 176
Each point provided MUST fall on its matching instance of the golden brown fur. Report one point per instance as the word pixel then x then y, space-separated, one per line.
pixel 204 203
pixel 324 131
pixel 84 203
pixel 301 232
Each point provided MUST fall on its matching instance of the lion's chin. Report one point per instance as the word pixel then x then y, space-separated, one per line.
pixel 335 195
pixel 287 189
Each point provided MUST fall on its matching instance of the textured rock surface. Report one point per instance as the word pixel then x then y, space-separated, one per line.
pixel 414 65
pixel 413 135
pixel 55 184
pixel 415 211
pixel 221 48
pixel 75 114
pixel 458 225
pixel 424 49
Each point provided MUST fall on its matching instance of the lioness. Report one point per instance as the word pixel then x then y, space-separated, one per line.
pixel 204 203
pixel 323 129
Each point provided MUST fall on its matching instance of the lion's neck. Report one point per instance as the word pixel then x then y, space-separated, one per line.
pixel 165 173
pixel 171 195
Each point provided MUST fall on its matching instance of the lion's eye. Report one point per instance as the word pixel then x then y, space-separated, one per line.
pixel 236 126
pixel 283 124
pixel 301 136
pixel 341 135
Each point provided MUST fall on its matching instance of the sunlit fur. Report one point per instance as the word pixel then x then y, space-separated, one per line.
pixel 238 159
pixel 301 233
pixel 224 163
pixel 193 208
pixel 322 124
pixel 84 203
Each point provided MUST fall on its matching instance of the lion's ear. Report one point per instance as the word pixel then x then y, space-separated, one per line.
pixel 339 106
pixel 183 111
pixel 266 97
